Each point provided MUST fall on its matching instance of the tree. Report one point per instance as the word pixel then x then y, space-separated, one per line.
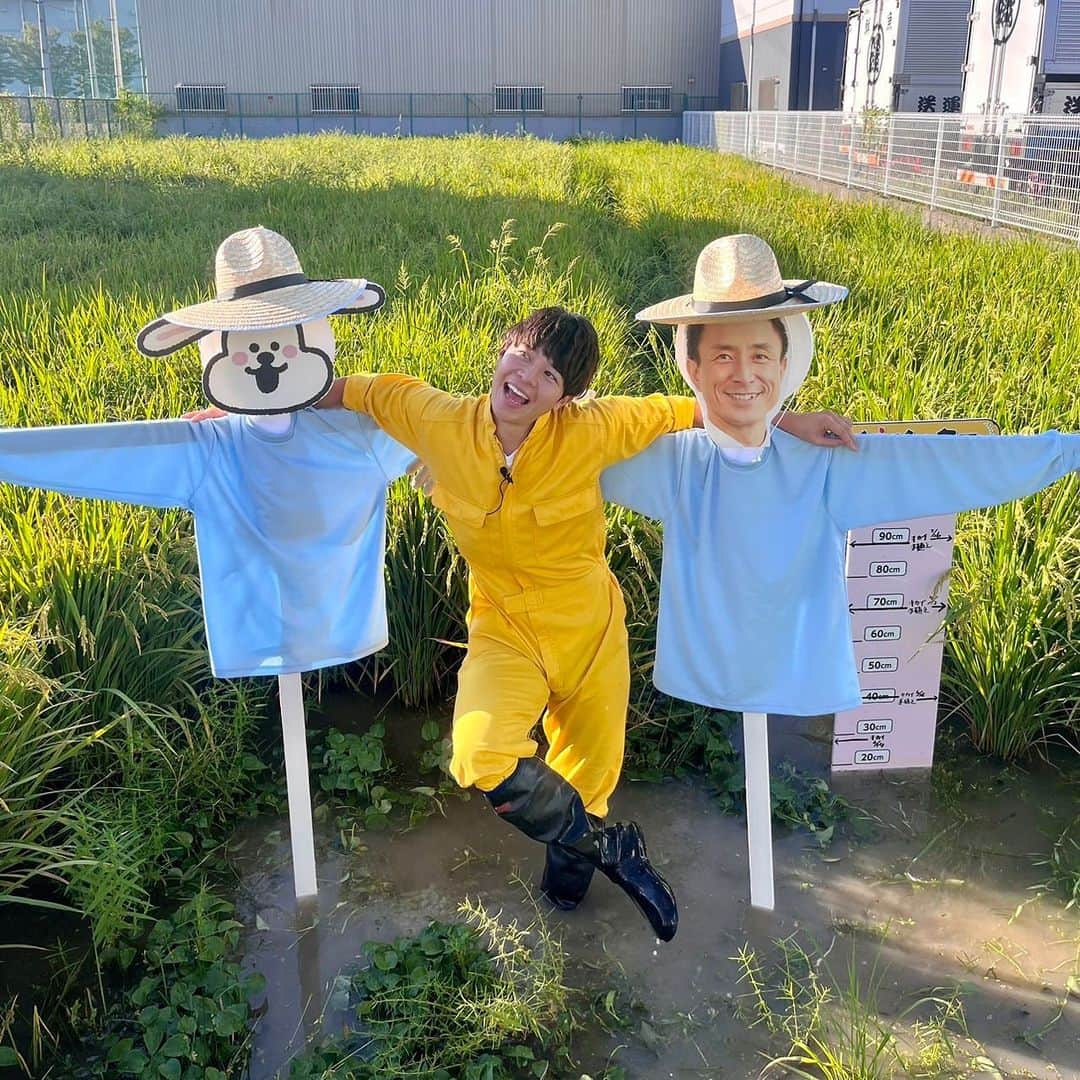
pixel 101 42
pixel 20 61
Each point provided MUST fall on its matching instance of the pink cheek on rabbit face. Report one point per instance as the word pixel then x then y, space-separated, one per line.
pixel 239 358
pixel 289 351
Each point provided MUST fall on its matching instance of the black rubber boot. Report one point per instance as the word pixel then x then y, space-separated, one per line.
pixel 567 873
pixel 545 807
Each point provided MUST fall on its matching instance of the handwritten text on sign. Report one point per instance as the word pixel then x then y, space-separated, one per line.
pixel 898 594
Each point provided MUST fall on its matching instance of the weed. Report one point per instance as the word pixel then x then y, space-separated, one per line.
pixel 477 1000
pixel 831 1029
pixel 192 1012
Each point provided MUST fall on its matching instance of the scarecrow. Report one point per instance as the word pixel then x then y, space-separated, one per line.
pixel 753 603
pixel 289 502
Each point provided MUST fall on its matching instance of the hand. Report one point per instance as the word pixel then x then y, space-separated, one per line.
pixel 211 413
pixel 819 428
pixel 420 477
pixel 334 398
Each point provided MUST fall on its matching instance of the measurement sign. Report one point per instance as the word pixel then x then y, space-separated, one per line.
pixel 895 725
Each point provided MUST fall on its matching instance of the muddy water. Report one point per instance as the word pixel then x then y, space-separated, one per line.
pixel 929 898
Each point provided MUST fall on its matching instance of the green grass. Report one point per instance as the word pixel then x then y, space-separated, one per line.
pixel 829 1024
pixel 468 235
pixel 480 999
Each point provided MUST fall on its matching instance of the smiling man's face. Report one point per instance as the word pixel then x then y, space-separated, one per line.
pixel 739 368
pixel 525 386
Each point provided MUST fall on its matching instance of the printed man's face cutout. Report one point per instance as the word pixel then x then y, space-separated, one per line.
pixel 268 371
pixel 739 371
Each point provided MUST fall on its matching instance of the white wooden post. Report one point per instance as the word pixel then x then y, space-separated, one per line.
pixel 301 829
pixel 758 810
pixel 306 925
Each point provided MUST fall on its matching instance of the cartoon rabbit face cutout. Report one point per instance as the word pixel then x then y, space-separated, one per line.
pixel 266 343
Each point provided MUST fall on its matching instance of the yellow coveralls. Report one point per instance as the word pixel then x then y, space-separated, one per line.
pixel 546 620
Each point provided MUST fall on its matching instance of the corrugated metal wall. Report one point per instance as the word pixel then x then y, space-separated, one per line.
pixel 1063 38
pixel 935 43
pixel 432 46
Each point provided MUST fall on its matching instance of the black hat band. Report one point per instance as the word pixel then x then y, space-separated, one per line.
pixel 789 292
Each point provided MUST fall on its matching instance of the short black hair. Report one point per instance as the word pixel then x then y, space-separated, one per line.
pixel 695 330
pixel 567 339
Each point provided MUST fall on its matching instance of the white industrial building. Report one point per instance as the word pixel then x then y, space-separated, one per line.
pixel 781 54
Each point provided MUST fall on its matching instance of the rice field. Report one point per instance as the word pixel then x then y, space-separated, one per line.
pixel 111 730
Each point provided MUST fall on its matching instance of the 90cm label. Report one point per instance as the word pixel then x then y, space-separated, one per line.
pixel 891 536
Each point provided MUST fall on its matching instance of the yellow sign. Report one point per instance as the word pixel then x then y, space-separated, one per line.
pixel 929 427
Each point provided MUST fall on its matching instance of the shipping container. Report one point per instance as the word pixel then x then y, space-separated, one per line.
pixel 906 55
pixel 1023 57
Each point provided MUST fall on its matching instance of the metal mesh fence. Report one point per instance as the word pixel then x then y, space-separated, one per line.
pixel 1022 171
pixel 189 107
pixel 23 117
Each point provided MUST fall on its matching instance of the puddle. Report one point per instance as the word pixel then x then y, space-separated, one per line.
pixel 931 900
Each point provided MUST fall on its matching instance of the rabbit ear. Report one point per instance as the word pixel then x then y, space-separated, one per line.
pixel 159 338
pixel 371 299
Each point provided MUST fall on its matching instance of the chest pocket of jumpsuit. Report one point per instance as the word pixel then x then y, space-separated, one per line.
pixel 566 507
pixel 460 510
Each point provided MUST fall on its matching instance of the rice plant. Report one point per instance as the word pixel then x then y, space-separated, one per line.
pixel 36 747
pixel 469 234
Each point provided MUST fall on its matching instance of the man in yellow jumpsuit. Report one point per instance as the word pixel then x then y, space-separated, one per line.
pixel 516 472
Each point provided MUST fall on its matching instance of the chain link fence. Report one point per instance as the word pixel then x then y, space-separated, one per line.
pixel 1021 171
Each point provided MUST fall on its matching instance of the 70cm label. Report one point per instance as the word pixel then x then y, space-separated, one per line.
pixel 885 600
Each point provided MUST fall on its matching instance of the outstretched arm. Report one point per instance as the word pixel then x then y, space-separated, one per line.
pixel 403 406
pixel 629 424
pixel 647 482
pixel 903 476
pixel 148 463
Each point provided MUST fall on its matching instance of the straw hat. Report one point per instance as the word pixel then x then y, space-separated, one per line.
pixel 261 286
pixel 737 278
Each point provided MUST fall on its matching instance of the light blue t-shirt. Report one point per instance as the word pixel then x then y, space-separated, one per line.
pixel 753 599
pixel 290 528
